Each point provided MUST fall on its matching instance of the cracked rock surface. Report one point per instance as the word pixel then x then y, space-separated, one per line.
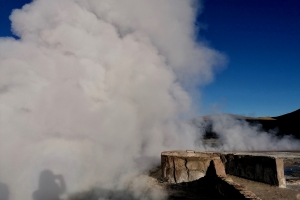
pixel 186 167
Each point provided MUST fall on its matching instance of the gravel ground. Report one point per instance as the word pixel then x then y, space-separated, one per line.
pixel 201 190
pixel 196 190
pixel 267 192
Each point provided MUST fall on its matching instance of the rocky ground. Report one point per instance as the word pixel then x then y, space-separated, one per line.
pixel 201 189
pixel 267 192
pixel 186 191
pixel 197 190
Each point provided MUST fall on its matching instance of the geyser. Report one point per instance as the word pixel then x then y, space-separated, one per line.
pixel 94 90
pixel 92 87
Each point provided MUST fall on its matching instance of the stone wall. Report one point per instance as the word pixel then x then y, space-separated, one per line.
pixel 225 185
pixel 194 167
pixel 264 169
pixel 186 166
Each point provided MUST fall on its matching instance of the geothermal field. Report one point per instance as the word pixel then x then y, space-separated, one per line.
pixel 93 91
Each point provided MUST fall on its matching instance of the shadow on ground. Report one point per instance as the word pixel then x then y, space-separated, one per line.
pixel 202 189
pixel 199 189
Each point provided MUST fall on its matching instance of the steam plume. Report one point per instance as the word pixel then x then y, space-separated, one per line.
pixel 95 89
pixel 92 86
pixel 238 135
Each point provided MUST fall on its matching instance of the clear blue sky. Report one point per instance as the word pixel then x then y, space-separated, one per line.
pixel 261 39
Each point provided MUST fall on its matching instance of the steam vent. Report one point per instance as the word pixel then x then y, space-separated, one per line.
pixel 188 166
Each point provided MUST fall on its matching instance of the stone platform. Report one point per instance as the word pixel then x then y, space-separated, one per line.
pixel 187 166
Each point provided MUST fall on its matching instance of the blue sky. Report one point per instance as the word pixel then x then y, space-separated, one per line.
pixel 6 7
pixel 261 39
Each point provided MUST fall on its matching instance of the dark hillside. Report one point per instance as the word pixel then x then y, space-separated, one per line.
pixel 287 124
pixel 289 116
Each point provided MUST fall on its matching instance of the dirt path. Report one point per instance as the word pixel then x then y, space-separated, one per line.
pixel 267 192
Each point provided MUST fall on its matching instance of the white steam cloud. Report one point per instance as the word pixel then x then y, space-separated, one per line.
pixel 94 89
pixel 240 136
pixel 94 86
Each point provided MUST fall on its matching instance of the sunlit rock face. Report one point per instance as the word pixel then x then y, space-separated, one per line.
pixel 186 166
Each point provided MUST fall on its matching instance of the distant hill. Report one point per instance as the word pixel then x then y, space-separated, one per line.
pixel 287 124
pixel 241 117
pixel 289 116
